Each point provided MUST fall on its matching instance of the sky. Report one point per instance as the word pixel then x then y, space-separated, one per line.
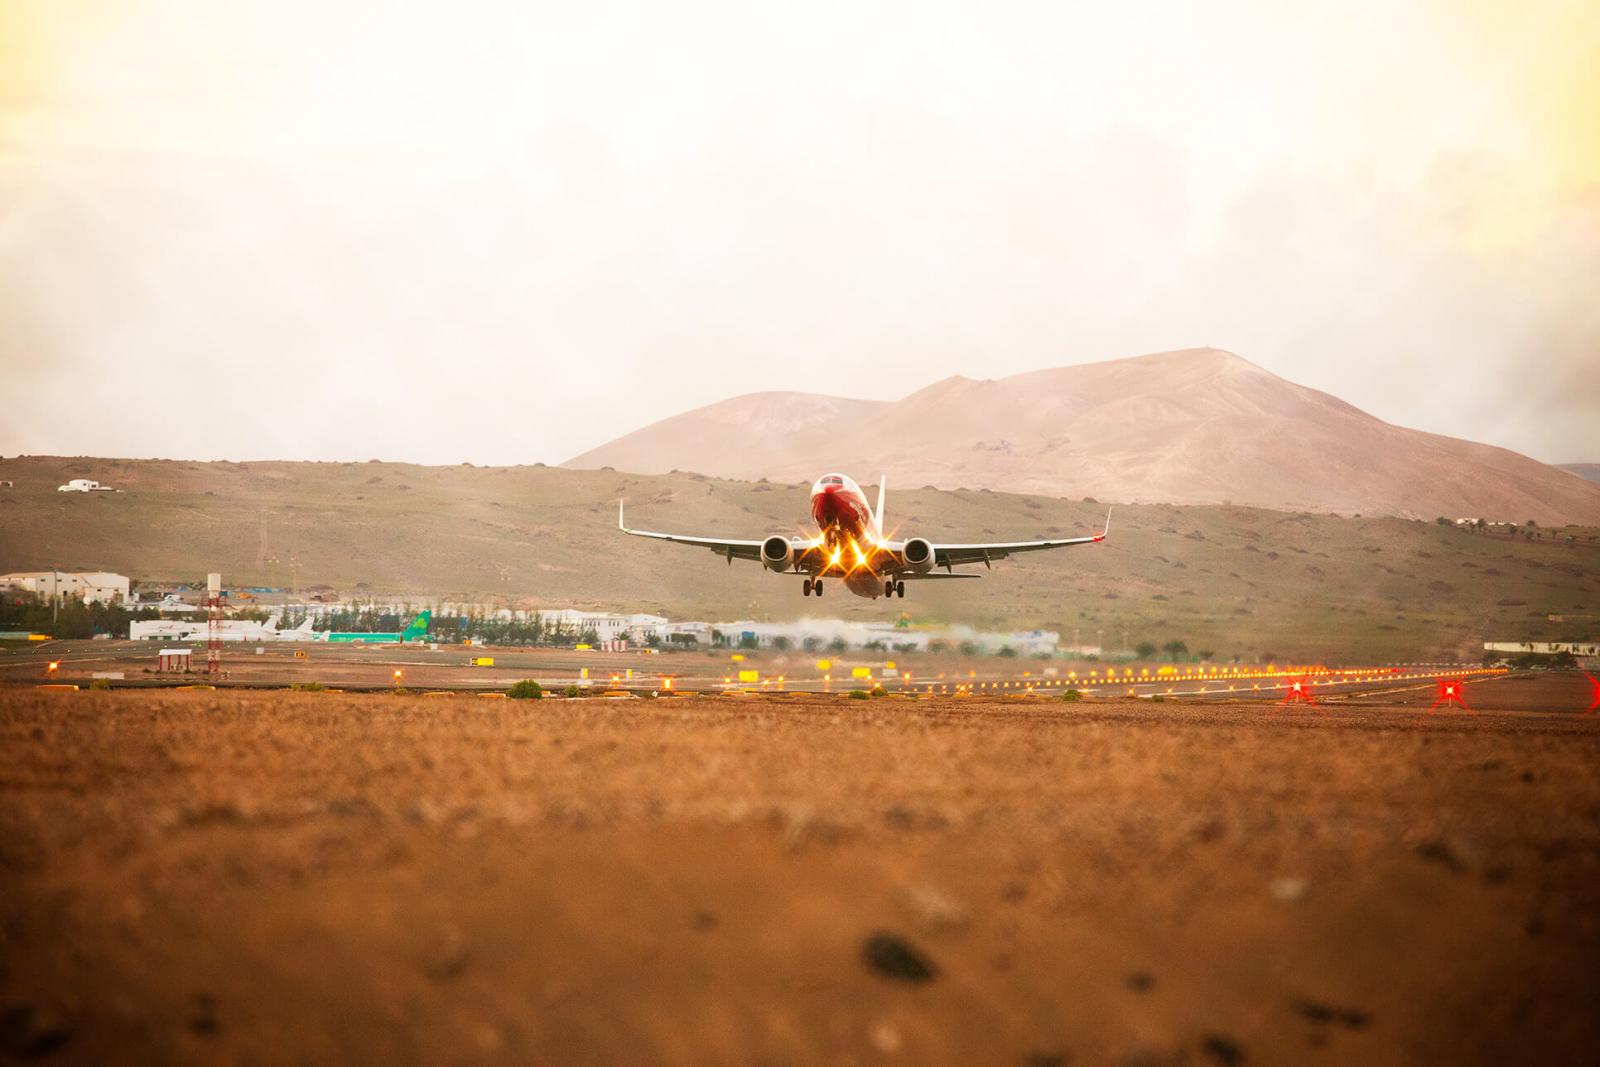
pixel 506 232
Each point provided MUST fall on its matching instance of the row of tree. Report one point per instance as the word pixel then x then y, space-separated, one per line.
pixel 537 629
pixel 71 618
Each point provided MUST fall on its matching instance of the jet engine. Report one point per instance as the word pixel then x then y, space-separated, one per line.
pixel 777 554
pixel 918 555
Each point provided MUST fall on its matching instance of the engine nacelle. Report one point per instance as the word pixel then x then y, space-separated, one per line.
pixel 777 553
pixel 918 555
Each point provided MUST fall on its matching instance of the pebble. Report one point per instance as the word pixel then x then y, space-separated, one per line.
pixel 28 1030
pixel 447 956
pixel 893 957
pixel 1288 890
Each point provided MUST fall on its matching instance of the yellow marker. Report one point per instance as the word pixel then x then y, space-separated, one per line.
pixel 737 657
pixel 861 672
pixel 749 676
pixel 823 665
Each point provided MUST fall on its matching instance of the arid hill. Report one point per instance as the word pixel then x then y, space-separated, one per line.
pixel 1200 426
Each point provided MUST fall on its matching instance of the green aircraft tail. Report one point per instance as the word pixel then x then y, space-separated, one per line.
pixel 418 628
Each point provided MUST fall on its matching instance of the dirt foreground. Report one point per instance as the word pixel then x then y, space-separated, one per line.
pixel 309 878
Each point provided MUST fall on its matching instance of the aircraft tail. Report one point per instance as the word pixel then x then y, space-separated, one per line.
pixel 418 629
pixel 877 514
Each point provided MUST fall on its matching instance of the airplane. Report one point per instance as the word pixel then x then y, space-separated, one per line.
pixel 227 630
pixel 416 630
pixel 851 546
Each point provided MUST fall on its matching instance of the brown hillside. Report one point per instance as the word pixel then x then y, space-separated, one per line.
pixel 1200 426
pixel 1235 580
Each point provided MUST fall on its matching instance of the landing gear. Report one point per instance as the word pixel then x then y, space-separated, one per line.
pixel 807 588
pixel 813 585
pixel 894 588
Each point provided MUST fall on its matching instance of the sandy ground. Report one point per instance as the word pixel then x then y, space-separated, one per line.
pixel 271 877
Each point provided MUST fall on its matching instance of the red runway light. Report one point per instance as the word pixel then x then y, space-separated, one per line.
pixel 1451 695
pixel 1594 692
pixel 1298 692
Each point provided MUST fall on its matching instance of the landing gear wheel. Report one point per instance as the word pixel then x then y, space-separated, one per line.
pixel 816 586
pixel 900 590
pixel 807 588
pixel 888 589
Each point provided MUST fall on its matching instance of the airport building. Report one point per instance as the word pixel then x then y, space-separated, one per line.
pixel 91 587
pixel 609 626
pixel 1586 649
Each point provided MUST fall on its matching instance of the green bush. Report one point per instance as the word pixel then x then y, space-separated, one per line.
pixel 878 691
pixel 1158 699
pixel 100 683
pixel 307 687
pixel 527 689
pixel 572 691
pixel 860 694
pixel 1071 696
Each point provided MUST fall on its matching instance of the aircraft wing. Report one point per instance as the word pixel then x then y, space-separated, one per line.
pixel 954 555
pixel 722 546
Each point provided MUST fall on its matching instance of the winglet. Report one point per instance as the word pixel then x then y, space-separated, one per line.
pixel 1103 533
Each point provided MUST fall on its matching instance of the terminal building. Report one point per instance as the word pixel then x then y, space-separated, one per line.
pixel 91 587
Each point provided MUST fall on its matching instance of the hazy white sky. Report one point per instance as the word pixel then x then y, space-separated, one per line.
pixel 506 232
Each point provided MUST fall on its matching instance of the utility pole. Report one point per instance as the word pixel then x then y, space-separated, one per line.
pixel 213 625
pixel 55 598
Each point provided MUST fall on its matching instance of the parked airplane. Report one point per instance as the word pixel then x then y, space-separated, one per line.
pixel 227 630
pixel 416 630
pixel 851 545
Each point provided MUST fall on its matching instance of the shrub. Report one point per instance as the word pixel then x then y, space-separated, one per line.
pixel 572 691
pixel 878 691
pixel 1007 652
pixel 1158 699
pixel 307 687
pixel 1145 649
pixel 859 694
pixel 100 683
pixel 1071 696
pixel 527 689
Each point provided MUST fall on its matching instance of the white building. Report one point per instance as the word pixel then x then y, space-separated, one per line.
pixel 83 485
pixel 1543 648
pixel 608 626
pixel 91 587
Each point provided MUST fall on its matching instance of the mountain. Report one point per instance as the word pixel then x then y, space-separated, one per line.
pixel 1589 472
pixel 1199 426
pixel 757 431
